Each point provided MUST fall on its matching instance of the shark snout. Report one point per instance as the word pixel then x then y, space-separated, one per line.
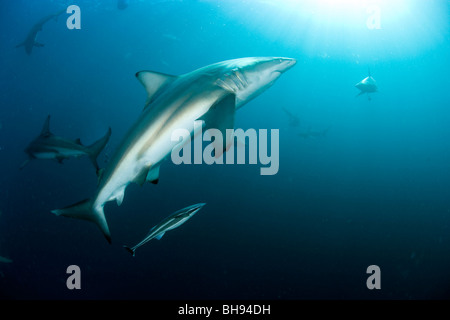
pixel 286 64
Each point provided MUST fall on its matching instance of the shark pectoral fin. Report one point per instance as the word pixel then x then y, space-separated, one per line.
pixel 84 210
pixel 142 176
pixel 153 82
pixel 159 236
pixel 150 173
pixel 20 44
pixel 153 174
pixel 37 44
pixel 220 116
pixel 118 196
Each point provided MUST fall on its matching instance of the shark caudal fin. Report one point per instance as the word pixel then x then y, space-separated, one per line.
pixel 130 250
pixel 84 210
pixel 97 147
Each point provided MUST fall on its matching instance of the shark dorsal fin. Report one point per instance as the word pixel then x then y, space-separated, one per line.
pixel 154 83
pixel 46 128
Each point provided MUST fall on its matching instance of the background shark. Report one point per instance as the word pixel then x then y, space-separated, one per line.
pixel 5 260
pixel 367 85
pixel 30 40
pixel 173 221
pixel 122 4
pixel 211 94
pixel 49 146
pixel 315 134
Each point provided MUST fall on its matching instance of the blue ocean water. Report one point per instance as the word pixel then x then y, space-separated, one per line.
pixel 373 190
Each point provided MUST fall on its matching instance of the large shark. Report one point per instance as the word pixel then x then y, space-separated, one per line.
pixel 367 85
pixel 30 40
pixel 173 221
pixel 210 94
pixel 49 146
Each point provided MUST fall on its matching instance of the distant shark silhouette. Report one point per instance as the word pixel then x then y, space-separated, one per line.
pixel 5 260
pixel 30 40
pixel 49 146
pixel 294 121
pixel 314 134
pixel 122 4
pixel 367 85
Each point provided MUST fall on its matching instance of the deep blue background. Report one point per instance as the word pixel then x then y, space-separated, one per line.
pixel 373 191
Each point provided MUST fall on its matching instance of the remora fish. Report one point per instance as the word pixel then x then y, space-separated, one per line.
pixel 173 221
pixel 367 85
pixel 49 146
pixel 30 40
pixel 211 94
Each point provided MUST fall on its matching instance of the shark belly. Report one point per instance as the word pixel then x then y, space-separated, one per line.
pixel 150 142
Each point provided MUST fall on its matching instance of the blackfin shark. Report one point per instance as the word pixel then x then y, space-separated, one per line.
pixel 173 221
pixel 49 146
pixel 367 85
pixel 30 40
pixel 210 94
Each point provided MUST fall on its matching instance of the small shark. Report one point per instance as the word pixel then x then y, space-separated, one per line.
pixel 294 121
pixel 314 134
pixel 5 260
pixel 49 146
pixel 367 85
pixel 30 40
pixel 210 94
pixel 173 221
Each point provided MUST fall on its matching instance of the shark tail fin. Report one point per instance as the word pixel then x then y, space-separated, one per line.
pixel 84 210
pixel 96 148
pixel 130 250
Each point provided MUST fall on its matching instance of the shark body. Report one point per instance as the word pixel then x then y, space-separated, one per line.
pixel 173 221
pixel 30 41
pixel 50 146
pixel 210 94
pixel 366 86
